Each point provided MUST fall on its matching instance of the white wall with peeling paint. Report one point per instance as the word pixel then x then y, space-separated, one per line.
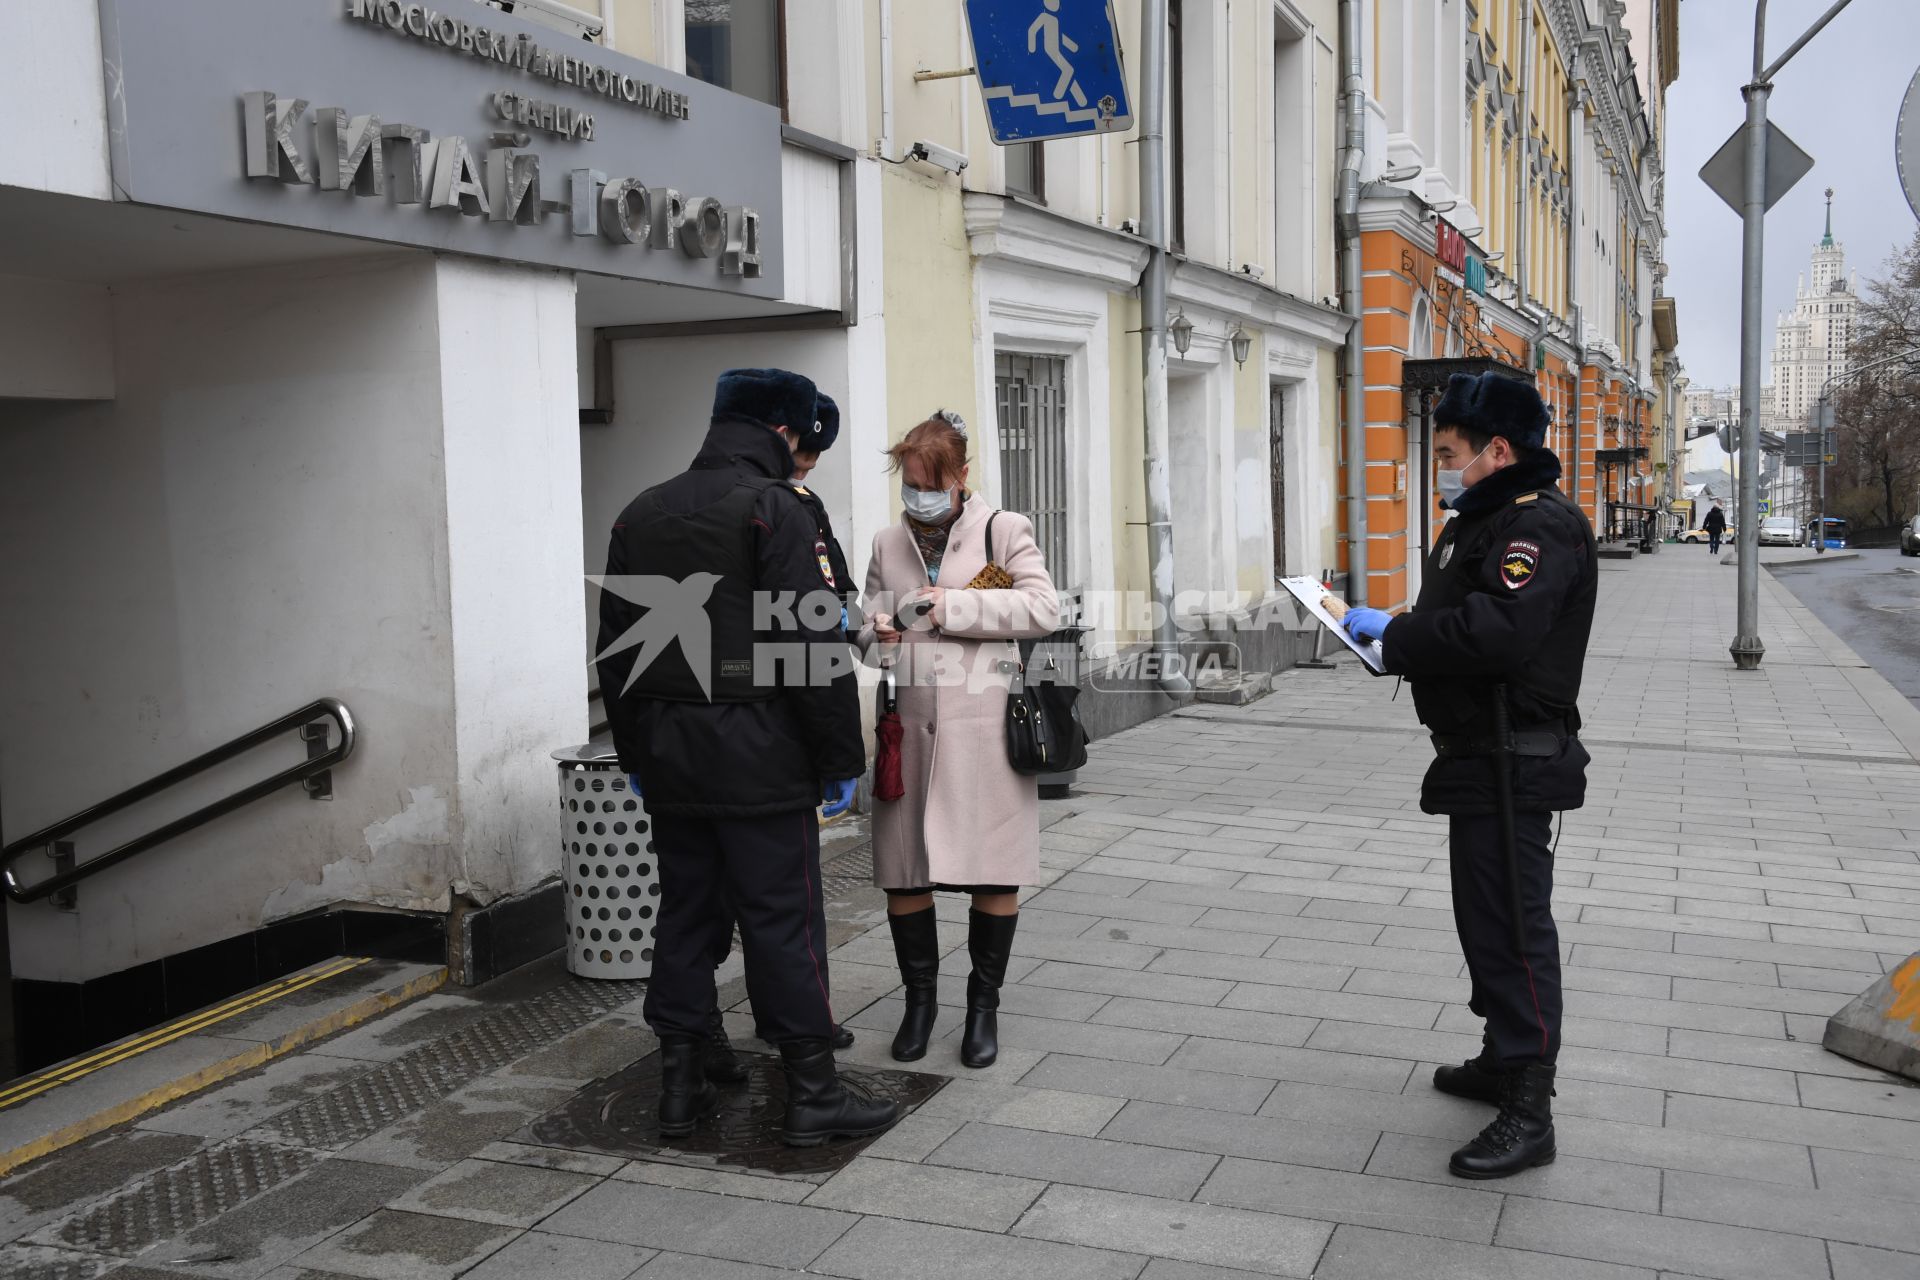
pixel 314 480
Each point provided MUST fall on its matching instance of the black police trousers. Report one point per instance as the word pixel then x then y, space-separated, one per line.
pixel 1517 992
pixel 766 873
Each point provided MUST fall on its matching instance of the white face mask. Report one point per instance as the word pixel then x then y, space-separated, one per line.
pixel 1454 483
pixel 929 506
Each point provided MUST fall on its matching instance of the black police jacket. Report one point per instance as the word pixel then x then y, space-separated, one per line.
pixel 1507 599
pixel 825 544
pixel 735 758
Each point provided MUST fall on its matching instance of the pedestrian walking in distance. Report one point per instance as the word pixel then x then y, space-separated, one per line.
pixel 1494 648
pixel 734 752
pixel 1716 526
pixel 966 823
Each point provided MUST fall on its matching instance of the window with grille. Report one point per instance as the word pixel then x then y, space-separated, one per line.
pixel 1030 398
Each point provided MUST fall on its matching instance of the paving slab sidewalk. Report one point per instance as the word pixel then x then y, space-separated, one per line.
pixel 1222 1023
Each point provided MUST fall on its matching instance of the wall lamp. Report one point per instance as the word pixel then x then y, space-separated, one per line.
pixel 1445 206
pixel 1182 330
pixel 1401 173
pixel 1242 343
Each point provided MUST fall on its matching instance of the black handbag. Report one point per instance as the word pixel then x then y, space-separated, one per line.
pixel 1044 732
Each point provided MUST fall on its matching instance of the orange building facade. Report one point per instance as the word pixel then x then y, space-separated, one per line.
pixel 1495 259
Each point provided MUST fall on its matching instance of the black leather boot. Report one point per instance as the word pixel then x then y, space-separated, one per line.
pixel 916 949
pixel 685 1093
pixel 819 1107
pixel 1477 1078
pixel 989 943
pixel 841 1038
pixel 718 1059
pixel 1520 1137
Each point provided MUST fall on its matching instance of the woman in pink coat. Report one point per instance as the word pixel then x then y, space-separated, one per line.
pixel 967 822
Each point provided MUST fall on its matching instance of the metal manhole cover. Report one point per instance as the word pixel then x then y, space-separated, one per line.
pixel 848 872
pixel 855 864
pixel 615 1117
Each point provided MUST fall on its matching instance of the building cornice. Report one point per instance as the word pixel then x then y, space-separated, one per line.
pixel 1201 285
pixel 1401 213
pixel 1017 233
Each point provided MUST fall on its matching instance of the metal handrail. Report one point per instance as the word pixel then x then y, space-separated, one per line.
pixel 308 770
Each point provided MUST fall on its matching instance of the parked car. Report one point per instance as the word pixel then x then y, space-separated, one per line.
pixel 1700 536
pixel 1910 537
pixel 1779 531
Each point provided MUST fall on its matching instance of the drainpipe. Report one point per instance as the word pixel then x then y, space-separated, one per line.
pixel 886 79
pixel 1576 162
pixel 1348 210
pixel 1522 205
pixel 1153 341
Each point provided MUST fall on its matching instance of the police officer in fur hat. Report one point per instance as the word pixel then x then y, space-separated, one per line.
pixel 722 1066
pixel 1494 648
pixel 733 699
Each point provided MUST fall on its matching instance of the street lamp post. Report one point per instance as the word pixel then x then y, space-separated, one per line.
pixel 1747 648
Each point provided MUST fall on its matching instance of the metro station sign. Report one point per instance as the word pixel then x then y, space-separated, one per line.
pixel 416 124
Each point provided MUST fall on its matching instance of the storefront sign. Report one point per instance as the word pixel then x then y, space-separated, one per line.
pixel 1476 274
pixel 343 128
pixel 1449 246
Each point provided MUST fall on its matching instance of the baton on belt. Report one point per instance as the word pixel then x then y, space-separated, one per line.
pixel 1503 796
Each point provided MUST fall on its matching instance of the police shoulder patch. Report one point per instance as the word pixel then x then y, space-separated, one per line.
pixel 826 561
pixel 1518 563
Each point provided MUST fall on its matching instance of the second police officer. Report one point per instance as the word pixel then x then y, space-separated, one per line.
pixel 1494 649
pixel 733 752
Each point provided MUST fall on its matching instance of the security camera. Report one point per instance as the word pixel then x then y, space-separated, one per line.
pixel 552 13
pixel 938 156
pixel 1252 270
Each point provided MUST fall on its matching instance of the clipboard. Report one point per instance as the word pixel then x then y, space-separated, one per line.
pixel 1310 592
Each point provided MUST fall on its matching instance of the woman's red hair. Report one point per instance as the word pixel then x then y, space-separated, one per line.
pixel 938 446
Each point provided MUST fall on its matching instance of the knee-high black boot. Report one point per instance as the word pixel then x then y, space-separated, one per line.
pixel 916 947
pixel 989 943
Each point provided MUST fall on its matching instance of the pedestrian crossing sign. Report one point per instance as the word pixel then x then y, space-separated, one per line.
pixel 1049 68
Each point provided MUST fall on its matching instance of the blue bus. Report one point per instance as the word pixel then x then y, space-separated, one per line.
pixel 1837 530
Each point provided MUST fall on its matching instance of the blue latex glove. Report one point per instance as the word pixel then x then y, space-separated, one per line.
pixel 633 785
pixel 838 797
pixel 844 624
pixel 1366 624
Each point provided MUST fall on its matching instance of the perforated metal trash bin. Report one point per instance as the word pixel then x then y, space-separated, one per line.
pixel 608 870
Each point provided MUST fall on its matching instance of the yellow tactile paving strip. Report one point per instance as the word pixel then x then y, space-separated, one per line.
pixel 323 1024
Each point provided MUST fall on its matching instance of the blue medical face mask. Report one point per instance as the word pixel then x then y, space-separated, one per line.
pixel 929 506
pixel 1454 483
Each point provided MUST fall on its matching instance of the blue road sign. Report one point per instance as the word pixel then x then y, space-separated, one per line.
pixel 1049 68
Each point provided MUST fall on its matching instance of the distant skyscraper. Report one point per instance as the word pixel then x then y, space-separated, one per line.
pixel 1810 345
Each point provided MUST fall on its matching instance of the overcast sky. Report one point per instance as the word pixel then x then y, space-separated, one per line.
pixel 1839 99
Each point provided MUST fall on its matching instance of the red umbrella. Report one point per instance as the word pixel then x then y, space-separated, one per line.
pixel 887 783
